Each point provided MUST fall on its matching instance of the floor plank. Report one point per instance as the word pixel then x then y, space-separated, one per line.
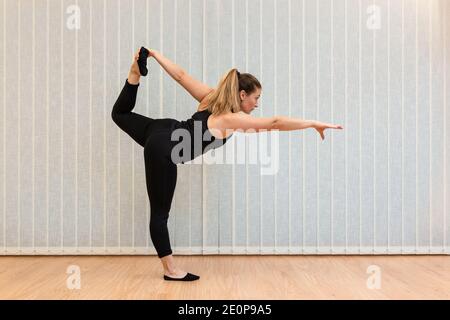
pixel 226 277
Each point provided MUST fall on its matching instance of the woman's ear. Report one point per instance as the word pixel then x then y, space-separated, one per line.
pixel 242 94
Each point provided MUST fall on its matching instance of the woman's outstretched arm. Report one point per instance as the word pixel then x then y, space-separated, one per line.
pixel 284 123
pixel 243 121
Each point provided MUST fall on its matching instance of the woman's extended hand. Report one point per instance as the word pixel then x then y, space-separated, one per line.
pixel 151 52
pixel 321 126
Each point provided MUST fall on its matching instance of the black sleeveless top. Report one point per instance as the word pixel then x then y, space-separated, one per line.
pixel 197 127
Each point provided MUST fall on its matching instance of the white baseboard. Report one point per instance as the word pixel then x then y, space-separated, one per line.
pixel 257 250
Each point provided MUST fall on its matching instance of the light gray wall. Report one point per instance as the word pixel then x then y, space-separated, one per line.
pixel 72 182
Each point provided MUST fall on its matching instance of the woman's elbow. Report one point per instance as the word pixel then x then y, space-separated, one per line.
pixel 179 76
pixel 275 123
pixel 269 124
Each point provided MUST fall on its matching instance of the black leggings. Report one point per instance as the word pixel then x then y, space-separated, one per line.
pixel 160 171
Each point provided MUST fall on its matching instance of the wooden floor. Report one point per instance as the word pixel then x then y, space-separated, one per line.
pixel 227 277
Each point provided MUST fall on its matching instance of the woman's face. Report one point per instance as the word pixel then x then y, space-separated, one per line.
pixel 249 101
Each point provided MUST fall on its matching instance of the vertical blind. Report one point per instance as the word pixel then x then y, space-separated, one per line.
pixel 73 183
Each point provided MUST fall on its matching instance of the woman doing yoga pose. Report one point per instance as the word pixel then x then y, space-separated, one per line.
pixel 221 111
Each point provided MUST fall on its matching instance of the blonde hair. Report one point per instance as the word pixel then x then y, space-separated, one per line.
pixel 226 97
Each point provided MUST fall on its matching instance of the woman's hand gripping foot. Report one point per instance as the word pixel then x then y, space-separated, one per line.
pixel 134 74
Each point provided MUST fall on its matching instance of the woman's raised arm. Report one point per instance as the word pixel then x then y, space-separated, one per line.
pixel 174 70
pixel 196 89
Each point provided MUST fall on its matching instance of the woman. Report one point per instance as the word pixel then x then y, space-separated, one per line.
pixel 219 114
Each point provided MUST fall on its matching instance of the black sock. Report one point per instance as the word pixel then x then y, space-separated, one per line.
pixel 142 61
pixel 188 277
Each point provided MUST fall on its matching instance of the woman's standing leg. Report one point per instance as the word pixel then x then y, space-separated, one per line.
pixel 161 178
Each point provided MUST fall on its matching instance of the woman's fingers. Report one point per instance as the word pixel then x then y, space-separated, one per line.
pixel 150 52
pixel 334 126
pixel 136 56
pixel 321 127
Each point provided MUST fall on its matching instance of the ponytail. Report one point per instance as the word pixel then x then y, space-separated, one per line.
pixel 226 97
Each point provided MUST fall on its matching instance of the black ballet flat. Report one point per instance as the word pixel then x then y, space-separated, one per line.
pixel 142 61
pixel 187 277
